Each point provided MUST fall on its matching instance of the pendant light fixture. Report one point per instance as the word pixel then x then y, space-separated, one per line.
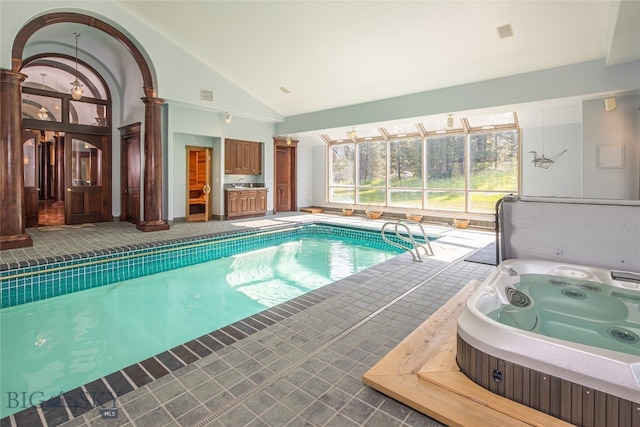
pixel 43 114
pixel 76 87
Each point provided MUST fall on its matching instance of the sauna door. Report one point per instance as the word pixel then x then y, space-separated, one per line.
pixel 86 199
pixel 31 173
pixel 198 183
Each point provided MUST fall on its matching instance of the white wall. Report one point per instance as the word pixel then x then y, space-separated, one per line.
pixel 319 168
pixel 564 177
pixel 618 127
pixel 306 175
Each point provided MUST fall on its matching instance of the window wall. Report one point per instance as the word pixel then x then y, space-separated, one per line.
pixel 464 169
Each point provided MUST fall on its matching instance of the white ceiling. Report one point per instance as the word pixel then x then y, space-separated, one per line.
pixel 336 53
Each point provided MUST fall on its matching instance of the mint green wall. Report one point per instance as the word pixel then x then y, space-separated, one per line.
pixel 178 79
pixel 573 80
pixel 179 76
pixel 184 124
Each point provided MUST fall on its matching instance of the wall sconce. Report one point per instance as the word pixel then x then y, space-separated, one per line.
pixel 288 140
pixel 228 118
pixel 610 104
pixel 450 121
pixel 352 134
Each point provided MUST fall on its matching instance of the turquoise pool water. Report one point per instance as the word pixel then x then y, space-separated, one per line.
pixel 57 344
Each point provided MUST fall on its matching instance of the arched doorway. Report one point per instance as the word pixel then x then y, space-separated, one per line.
pixel 13 215
pixel 67 143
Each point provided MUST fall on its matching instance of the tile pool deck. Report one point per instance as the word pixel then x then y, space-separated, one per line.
pixel 304 369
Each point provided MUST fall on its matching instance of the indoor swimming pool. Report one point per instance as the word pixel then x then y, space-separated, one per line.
pixel 62 342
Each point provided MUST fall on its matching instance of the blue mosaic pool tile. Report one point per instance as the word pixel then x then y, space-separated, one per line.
pixel 72 273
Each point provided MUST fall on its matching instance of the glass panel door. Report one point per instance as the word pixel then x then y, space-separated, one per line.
pixel 31 177
pixel 84 201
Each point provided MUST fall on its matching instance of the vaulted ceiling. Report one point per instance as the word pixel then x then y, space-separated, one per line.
pixel 327 54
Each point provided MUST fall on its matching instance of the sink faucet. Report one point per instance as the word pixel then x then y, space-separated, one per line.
pixel 239 183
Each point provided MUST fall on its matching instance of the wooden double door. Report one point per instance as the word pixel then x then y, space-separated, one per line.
pixel 87 182
pixel 72 167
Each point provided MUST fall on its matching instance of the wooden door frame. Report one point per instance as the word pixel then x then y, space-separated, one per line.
pixel 127 133
pixel 209 152
pixel 292 146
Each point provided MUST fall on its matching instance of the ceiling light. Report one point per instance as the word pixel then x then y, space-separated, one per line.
pixel 76 91
pixel 505 31
pixel 228 118
pixel 450 121
pixel 610 104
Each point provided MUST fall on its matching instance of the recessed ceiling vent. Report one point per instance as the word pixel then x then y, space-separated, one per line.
pixel 505 31
pixel 206 95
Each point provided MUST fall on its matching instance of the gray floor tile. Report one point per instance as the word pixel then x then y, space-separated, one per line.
pixel 313 372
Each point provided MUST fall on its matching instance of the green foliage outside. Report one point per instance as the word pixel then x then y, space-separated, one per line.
pixel 494 167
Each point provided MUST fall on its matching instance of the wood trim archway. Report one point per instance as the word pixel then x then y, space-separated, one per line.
pixel 40 22
pixel 12 225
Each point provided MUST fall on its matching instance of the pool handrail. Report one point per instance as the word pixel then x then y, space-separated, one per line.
pixel 414 248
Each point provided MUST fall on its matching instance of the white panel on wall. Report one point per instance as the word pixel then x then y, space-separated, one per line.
pixel 620 127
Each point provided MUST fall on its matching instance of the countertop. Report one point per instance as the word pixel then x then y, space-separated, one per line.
pixel 244 188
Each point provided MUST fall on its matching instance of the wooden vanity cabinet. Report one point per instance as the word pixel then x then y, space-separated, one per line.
pixel 242 157
pixel 244 203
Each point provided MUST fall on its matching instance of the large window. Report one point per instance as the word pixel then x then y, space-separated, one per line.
pixel 493 168
pixel 341 173
pixel 466 167
pixel 372 172
pixel 405 172
pixel 446 173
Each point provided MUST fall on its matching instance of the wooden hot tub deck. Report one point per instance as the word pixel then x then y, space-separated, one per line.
pixel 421 372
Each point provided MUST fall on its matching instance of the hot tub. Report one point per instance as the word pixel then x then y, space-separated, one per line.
pixel 560 338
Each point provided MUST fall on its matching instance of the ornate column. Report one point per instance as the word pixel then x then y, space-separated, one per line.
pixel 152 167
pixel 12 227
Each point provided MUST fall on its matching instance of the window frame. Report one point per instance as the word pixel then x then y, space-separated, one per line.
pixel 423 135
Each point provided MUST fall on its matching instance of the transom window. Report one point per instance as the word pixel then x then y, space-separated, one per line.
pixel 462 165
